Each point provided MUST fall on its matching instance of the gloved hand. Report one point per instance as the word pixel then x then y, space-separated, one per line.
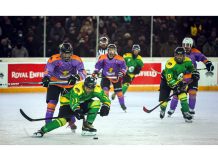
pixel 95 74
pixel 78 114
pixel 104 110
pixel 180 88
pixel 195 75
pixel 45 81
pixel 209 66
pixel 120 74
pixel 73 78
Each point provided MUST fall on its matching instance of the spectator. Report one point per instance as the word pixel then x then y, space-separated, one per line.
pixel 19 50
pixel 5 48
pixel 167 49
pixel 57 32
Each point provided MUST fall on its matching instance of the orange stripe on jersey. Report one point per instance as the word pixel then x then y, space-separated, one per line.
pixel 102 57
pixel 195 50
pixel 76 58
pixel 187 76
pixel 54 57
pixel 118 57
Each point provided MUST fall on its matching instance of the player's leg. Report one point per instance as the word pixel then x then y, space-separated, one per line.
pixel 52 100
pixel 185 108
pixel 173 105
pixel 90 107
pixel 163 96
pixel 63 112
pixel 192 91
pixel 118 90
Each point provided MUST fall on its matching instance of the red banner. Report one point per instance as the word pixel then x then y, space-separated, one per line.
pixel 150 74
pixel 25 73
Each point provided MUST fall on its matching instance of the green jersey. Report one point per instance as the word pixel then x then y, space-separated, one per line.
pixel 132 63
pixel 77 95
pixel 174 72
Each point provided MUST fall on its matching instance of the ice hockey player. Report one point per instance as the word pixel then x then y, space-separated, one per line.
pixel 79 102
pixel 103 43
pixel 113 69
pixel 134 64
pixel 176 76
pixel 195 55
pixel 62 67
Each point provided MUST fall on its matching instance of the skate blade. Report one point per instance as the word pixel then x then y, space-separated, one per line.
pixel 188 121
pixel 87 133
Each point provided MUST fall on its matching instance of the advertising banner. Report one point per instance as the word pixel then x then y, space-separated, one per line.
pixel 150 74
pixel 25 73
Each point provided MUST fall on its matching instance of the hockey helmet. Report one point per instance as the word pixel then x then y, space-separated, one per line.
pixel 90 82
pixel 187 43
pixel 179 55
pixel 65 48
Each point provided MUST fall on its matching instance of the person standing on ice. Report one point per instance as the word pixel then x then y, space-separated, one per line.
pixel 195 55
pixel 62 67
pixel 176 76
pixel 78 102
pixel 134 64
pixel 113 68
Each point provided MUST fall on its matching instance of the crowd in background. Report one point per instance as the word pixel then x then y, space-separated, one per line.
pixel 23 36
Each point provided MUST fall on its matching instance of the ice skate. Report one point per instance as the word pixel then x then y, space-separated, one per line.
pixel 187 116
pixel 113 96
pixel 170 112
pixel 192 112
pixel 39 134
pixel 162 114
pixel 88 129
pixel 123 107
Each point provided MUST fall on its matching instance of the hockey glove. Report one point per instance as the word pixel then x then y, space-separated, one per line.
pixel 137 70
pixel 73 78
pixel 78 113
pixel 104 110
pixel 120 74
pixel 180 88
pixel 45 81
pixel 195 75
pixel 209 66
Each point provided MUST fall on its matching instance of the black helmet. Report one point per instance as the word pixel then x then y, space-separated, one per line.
pixel 66 48
pixel 90 82
pixel 178 52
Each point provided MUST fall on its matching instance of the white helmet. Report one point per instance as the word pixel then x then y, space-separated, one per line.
pixel 187 42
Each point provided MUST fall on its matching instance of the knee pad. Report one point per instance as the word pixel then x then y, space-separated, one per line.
pixel 192 92
pixel 182 97
pixel 51 107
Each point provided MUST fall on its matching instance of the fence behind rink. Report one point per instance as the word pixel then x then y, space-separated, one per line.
pixel 31 70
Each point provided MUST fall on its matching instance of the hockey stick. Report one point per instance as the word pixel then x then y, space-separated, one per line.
pixel 109 77
pixel 29 83
pixel 148 111
pixel 208 73
pixel 39 119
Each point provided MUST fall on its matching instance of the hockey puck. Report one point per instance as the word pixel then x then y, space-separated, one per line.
pixel 95 138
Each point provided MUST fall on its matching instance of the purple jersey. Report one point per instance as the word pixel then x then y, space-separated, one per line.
pixel 111 67
pixel 196 56
pixel 61 70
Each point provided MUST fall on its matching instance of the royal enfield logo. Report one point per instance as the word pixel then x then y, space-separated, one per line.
pixel 30 74
pixel 1 75
pixel 147 74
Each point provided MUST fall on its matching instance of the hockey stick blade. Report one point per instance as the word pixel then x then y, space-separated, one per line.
pixel 25 116
pixel 146 110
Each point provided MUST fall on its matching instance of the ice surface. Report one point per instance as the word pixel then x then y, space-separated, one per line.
pixel 133 127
